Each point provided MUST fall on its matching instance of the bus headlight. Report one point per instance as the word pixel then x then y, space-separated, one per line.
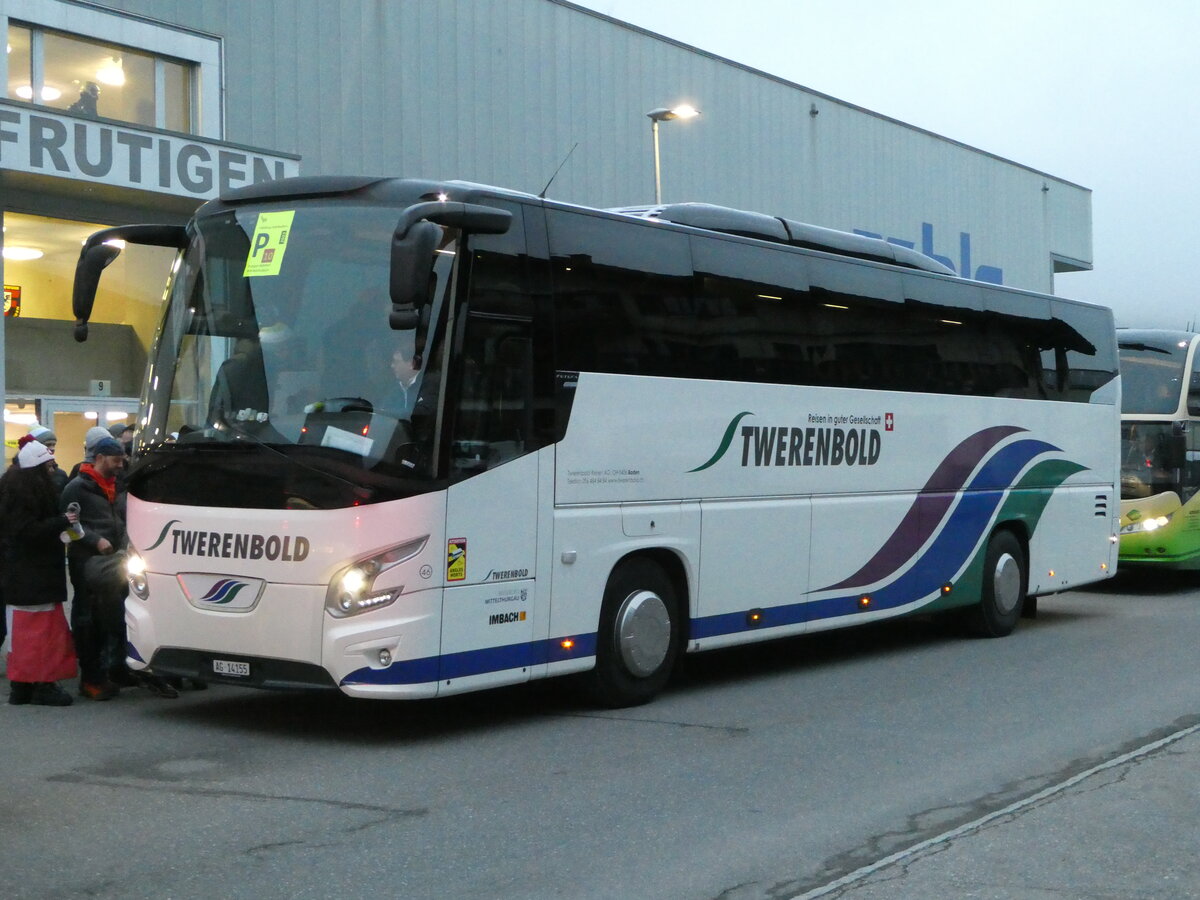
pixel 135 571
pixel 1146 525
pixel 353 591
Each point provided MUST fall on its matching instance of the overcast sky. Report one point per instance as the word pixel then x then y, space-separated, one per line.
pixel 1099 92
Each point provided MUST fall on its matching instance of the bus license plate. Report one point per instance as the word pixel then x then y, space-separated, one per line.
pixel 228 667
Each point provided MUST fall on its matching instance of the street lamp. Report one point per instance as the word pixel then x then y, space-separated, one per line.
pixel 662 114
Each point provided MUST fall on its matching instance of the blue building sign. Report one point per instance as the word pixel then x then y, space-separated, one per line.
pixel 990 274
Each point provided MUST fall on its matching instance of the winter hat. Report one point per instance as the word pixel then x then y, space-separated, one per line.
pixel 119 429
pixel 43 434
pixel 35 453
pixel 94 435
pixel 24 439
pixel 108 447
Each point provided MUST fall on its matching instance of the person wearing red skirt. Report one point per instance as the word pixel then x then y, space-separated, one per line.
pixel 35 580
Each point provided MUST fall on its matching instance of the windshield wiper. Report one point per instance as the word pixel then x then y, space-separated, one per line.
pixel 1144 348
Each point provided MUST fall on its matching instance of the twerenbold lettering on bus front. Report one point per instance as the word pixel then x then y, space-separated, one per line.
pixel 232 545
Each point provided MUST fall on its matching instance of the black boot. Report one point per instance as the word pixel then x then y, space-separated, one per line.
pixel 47 693
pixel 20 692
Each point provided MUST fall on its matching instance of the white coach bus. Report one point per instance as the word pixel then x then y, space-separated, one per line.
pixel 435 437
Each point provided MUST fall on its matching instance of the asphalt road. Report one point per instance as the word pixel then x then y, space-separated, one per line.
pixel 885 762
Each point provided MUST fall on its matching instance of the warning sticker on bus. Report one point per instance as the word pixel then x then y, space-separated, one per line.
pixel 268 244
pixel 456 559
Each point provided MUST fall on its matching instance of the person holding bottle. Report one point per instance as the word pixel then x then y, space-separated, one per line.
pixel 35 580
pixel 98 611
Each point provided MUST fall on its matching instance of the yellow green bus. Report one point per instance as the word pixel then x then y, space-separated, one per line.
pixel 1160 448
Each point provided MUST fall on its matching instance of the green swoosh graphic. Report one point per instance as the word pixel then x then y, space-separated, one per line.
pixel 1026 502
pixel 229 599
pixel 725 442
pixel 162 537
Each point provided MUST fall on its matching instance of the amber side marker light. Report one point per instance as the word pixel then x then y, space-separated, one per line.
pixel 567 644
pixel 1051 573
pixel 754 617
pixel 947 588
pixel 864 601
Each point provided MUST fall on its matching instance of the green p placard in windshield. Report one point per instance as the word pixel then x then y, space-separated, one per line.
pixel 268 243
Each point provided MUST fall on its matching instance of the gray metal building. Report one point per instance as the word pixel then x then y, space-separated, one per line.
pixel 137 110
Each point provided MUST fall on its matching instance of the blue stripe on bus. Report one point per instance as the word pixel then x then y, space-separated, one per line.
pixel 474 662
pixel 958 538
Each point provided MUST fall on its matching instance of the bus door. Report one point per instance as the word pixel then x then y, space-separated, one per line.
pixel 490 621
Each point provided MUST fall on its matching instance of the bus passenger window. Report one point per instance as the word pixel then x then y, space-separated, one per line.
pixel 494 416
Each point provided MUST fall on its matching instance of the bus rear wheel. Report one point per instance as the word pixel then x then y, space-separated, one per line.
pixel 639 637
pixel 1002 595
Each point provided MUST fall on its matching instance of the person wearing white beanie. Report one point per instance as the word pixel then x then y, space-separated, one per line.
pixel 34 580
pixel 33 454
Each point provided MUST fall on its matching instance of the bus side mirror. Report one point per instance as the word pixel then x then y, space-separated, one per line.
pixel 414 242
pixel 412 267
pixel 1174 451
pixel 99 251
pixel 1193 395
pixel 92 261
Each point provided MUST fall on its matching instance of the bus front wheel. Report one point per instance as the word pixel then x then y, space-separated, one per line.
pixel 640 632
pixel 1002 595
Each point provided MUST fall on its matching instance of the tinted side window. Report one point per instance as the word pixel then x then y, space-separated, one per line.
pixel 1085 342
pixel 493 418
pixel 799 319
pixel 623 299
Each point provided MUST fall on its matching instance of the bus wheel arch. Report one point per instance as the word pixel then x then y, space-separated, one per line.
pixel 642 629
pixel 1004 585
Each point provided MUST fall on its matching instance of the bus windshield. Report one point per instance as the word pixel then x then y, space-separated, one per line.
pixel 1150 461
pixel 1152 373
pixel 289 360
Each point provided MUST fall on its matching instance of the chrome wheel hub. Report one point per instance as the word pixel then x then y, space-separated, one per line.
pixel 1006 583
pixel 643 633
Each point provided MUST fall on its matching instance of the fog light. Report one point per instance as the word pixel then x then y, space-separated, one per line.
pixel 346 601
pixel 139 587
pixel 385 657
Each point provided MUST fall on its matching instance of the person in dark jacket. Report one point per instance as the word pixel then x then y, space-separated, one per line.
pixel 34 580
pixel 98 609
pixel 97 625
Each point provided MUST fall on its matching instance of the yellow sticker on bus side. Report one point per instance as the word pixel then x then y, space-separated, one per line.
pixel 268 243
pixel 456 559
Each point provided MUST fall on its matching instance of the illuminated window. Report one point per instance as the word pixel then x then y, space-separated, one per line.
pixel 91 78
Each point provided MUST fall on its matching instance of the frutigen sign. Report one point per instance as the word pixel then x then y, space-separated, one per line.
pixel 45 143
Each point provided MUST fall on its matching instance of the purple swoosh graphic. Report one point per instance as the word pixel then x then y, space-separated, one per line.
pixel 928 508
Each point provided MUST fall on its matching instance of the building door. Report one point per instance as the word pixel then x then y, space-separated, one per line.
pixel 70 418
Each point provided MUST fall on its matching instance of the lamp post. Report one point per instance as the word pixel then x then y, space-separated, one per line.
pixel 662 114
